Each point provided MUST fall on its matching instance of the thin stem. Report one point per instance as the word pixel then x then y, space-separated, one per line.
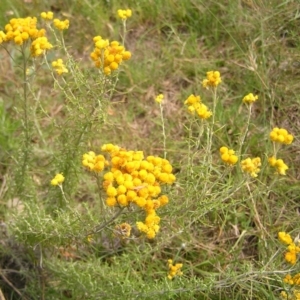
pixel 163 129
pixel 102 207
pixel 63 194
pixel 246 130
pixel 211 132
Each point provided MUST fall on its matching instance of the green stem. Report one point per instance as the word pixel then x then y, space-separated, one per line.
pixel 26 128
pixel 246 130
pixel 163 129
pixel 102 207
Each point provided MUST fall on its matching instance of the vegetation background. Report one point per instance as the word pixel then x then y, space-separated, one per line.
pixel 222 228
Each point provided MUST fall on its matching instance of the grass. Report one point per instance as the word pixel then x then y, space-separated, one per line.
pixel 220 224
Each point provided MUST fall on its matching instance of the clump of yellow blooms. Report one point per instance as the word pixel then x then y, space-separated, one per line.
pixel 281 135
pixel 251 166
pixel 61 25
pixel 58 179
pixel 174 270
pixel 213 79
pixel 20 30
pixel 228 156
pixel 195 104
pixel 108 56
pixel 122 230
pixel 293 249
pixel 39 46
pixel 295 295
pixel 279 164
pixel 159 98
pixel 47 15
pixel 59 66
pixel 292 280
pixel 124 13
pixel 133 180
pixel 94 162
pixel 250 98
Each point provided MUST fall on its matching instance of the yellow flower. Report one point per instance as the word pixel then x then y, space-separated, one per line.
pixel 228 156
pixel 194 104
pixel 159 98
pixel 124 13
pixel 47 15
pixel 39 46
pixel 250 98
pixel 213 79
pixel 281 135
pixel 59 66
pixel 174 270
pixel 279 164
pixel 58 179
pixel 285 238
pixel 251 166
pixel 61 25
pixel 291 257
pixel 108 56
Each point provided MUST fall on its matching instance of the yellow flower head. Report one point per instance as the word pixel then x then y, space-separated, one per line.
pixel 39 46
pixel 19 30
pixel 59 66
pixel 195 105
pixel 108 55
pixel 285 238
pixel 58 179
pixel 228 156
pixel 124 13
pixel 281 135
pixel 47 15
pixel 61 25
pixel 279 165
pixel 213 79
pixel 250 98
pixel 251 166
pixel 174 270
pixel 159 98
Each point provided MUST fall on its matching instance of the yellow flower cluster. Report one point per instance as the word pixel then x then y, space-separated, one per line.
pixel 58 179
pixel 19 30
pixel 39 46
pixel 61 25
pixel 159 98
pixel 213 79
pixel 281 135
pixel 228 156
pixel 174 270
pixel 59 66
pixel 108 56
pixel 47 15
pixel 94 162
pixel 122 230
pixel 132 179
pixel 124 13
pixel 285 238
pixel 251 166
pixel 292 249
pixel 292 280
pixel 292 295
pixel 195 104
pixel 250 98
pixel 279 164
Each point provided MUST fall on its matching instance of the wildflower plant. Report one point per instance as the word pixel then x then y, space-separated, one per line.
pixel 100 211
